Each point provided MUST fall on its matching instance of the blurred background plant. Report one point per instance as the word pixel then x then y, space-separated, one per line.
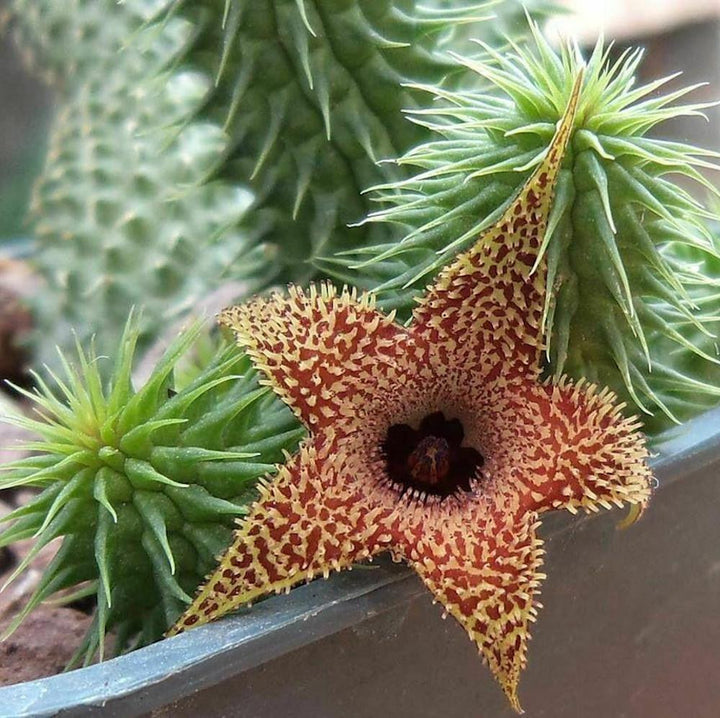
pixel 197 146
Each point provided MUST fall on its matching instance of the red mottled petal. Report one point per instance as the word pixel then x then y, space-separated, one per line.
pixel 579 450
pixel 320 351
pixel 307 521
pixel 483 567
pixel 485 309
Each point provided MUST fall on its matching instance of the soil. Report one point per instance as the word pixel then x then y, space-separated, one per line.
pixel 42 645
pixel 17 281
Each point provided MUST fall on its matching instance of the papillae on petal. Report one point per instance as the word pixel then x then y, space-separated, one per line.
pixel 484 570
pixel 581 451
pixel 487 305
pixel 308 520
pixel 320 350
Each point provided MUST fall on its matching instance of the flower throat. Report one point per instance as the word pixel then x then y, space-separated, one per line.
pixel 431 459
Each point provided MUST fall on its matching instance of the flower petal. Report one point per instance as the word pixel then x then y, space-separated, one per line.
pixel 320 350
pixel 493 294
pixel 484 569
pixel 580 451
pixel 307 521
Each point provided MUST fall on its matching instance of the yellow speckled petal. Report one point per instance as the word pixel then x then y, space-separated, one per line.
pixel 581 451
pixel 487 305
pixel 318 349
pixel 485 571
pixel 309 520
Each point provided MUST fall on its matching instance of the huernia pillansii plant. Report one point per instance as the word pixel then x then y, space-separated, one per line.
pixel 625 242
pixel 435 441
pixel 142 487
pixel 169 113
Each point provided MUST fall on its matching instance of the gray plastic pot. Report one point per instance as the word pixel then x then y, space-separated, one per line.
pixel 631 628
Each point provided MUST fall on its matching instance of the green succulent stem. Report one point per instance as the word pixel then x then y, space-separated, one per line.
pixel 142 486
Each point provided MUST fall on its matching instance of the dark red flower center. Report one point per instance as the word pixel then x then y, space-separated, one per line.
pixel 430 459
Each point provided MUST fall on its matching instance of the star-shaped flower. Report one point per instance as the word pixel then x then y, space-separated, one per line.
pixel 437 442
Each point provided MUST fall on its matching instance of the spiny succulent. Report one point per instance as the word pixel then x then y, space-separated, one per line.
pixel 311 94
pixel 621 293
pixel 508 22
pixel 686 374
pixel 119 214
pixel 55 38
pixel 141 486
